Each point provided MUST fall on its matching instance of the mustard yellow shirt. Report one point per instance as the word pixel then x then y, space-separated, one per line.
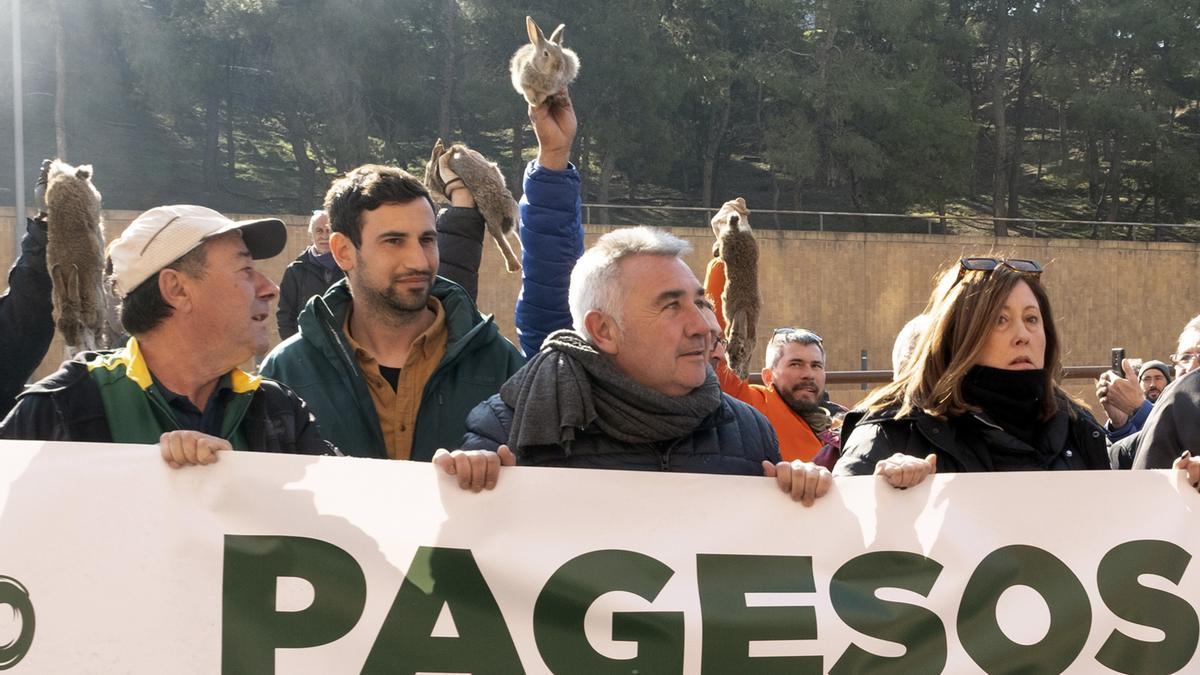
pixel 397 409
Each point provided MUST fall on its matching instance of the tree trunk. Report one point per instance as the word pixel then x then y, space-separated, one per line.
pixel 1015 171
pixel 585 173
pixel 1062 136
pixel 212 140
pixel 1114 182
pixel 306 168
pixel 1000 160
pixel 608 163
pixel 775 197
pixel 60 82
pixel 517 147
pixel 230 141
pixel 718 122
pixel 1092 157
pixel 707 174
pixel 449 52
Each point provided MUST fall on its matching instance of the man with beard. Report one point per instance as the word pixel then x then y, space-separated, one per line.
pixel 1176 429
pixel 392 358
pixel 1127 403
pixel 196 308
pixel 792 395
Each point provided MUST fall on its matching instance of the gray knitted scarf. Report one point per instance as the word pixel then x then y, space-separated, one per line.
pixel 569 386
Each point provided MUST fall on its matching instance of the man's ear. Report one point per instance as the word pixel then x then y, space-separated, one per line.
pixel 606 336
pixel 768 376
pixel 344 251
pixel 175 291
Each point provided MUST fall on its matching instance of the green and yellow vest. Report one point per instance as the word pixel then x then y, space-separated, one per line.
pixel 137 413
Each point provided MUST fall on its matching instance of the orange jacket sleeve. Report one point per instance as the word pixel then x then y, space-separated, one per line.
pixel 714 286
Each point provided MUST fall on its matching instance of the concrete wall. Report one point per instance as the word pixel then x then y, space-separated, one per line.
pixel 857 289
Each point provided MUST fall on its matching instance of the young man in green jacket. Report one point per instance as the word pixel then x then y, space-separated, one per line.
pixel 392 358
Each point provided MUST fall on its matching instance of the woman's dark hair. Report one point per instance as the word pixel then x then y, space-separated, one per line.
pixel 365 189
pixel 144 308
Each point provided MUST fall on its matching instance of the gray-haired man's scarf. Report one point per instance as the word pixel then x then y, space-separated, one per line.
pixel 569 386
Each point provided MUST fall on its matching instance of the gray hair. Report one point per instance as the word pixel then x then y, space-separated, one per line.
pixel 783 336
pixel 317 214
pixel 595 285
pixel 1192 326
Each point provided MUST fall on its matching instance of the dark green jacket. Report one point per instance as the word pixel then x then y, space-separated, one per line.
pixel 319 365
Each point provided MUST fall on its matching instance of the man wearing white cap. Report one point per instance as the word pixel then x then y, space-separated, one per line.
pixel 196 308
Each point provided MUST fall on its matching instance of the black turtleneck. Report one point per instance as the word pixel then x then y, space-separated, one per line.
pixel 1011 399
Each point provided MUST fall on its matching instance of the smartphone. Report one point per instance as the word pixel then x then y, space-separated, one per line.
pixel 1118 355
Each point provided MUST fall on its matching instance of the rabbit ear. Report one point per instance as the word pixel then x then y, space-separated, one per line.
pixel 557 36
pixel 536 37
pixel 438 150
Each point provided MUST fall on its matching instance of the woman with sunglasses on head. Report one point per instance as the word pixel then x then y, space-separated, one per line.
pixel 980 392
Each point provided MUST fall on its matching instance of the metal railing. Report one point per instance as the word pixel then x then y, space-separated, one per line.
pixel 845 221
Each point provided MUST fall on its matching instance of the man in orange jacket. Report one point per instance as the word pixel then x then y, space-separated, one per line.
pixel 793 388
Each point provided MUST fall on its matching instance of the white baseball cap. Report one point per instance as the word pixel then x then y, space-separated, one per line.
pixel 165 234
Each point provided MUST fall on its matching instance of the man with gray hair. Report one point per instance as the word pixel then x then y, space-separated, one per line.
pixel 312 273
pixel 1172 433
pixel 630 387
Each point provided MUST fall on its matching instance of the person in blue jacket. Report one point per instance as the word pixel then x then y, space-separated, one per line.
pixel 551 227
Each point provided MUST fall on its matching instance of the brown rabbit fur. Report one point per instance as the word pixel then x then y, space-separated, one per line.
pixel 486 183
pixel 740 300
pixel 75 255
pixel 543 68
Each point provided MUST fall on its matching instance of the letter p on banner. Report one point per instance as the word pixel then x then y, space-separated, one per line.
pixel 252 629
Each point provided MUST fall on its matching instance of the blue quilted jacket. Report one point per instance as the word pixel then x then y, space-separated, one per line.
pixel 551 241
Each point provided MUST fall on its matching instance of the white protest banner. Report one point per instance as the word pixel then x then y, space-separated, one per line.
pixel 113 563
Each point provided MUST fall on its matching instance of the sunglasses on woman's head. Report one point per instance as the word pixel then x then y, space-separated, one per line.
pixel 990 265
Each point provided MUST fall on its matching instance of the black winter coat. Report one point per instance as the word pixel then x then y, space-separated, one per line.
pixel 1173 426
pixel 66 406
pixel 962 445
pixel 302 279
pixel 26 322
pixel 733 440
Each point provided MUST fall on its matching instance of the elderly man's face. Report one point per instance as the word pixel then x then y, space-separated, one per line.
pixel 1153 382
pixel 1188 354
pixel 664 338
pixel 319 231
pixel 233 300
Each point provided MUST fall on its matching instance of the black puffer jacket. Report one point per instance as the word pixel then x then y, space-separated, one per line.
pixel 961 445
pixel 303 278
pixel 1173 426
pixel 26 323
pixel 733 440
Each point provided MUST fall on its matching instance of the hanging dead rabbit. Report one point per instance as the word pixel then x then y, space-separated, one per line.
pixel 457 166
pixel 75 256
pixel 740 301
